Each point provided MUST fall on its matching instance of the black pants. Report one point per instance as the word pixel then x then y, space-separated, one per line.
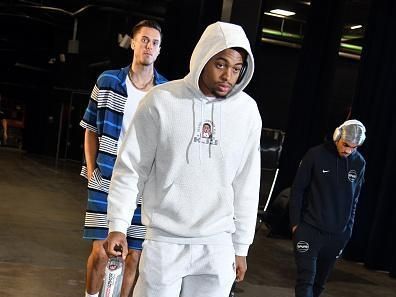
pixel 315 254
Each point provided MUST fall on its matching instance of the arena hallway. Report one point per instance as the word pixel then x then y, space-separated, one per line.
pixel 42 253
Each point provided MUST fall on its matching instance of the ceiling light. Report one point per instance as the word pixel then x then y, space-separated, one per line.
pixel 356 27
pixel 283 12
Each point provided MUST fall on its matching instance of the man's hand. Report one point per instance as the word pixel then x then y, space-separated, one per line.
pixel 116 244
pixel 89 174
pixel 240 267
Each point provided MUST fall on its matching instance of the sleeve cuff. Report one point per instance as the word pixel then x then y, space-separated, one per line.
pixel 83 171
pixel 117 225
pixel 241 249
pixel 88 126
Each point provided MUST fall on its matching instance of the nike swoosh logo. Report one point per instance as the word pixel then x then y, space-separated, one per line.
pixel 325 171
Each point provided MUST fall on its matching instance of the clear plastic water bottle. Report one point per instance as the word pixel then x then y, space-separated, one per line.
pixel 113 277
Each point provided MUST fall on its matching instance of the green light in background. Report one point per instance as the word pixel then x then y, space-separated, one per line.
pixel 346 46
pixel 282 34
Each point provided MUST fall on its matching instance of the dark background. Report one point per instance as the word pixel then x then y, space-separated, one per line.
pixel 312 72
pixel 35 34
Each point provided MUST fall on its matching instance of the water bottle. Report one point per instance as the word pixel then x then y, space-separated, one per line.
pixel 113 277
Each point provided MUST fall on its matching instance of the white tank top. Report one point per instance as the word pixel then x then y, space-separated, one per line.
pixel 134 97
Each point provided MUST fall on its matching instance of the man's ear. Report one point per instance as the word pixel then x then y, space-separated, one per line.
pixel 132 44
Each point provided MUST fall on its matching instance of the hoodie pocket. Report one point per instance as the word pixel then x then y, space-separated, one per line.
pixel 193 211
pixel 170 203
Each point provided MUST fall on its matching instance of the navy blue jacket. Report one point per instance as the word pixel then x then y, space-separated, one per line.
pixel 326 189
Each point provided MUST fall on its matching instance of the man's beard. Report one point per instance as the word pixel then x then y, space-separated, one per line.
pixel 218 96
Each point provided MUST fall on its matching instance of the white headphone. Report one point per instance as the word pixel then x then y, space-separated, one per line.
pixel 338 130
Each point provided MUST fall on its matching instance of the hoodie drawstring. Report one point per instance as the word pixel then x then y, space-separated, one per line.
pixel 210 142
pixel 193 132
pixel 202 115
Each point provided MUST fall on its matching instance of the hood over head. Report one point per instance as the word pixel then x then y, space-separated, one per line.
pixel 216 38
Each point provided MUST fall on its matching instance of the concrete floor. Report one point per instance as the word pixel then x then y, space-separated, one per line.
pixel 42 253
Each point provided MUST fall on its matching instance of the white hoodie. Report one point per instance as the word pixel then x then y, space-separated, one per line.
pixel 199 185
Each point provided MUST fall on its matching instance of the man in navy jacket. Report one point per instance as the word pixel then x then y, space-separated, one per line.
pixel 323 202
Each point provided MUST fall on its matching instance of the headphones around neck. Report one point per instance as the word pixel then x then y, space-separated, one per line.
pixel 338 130
pixel 242 72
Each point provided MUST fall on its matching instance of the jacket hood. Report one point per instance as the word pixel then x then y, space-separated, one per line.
pixel 217 37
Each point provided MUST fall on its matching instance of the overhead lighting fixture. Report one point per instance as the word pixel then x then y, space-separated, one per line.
pixel 73 46
pixel 356 27
pixel 124 41
pixel 282 12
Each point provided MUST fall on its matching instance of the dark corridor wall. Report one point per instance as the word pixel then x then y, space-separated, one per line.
pixel 183 23
pixel 274 78
pixel 272 83
pixel 271 87
pixel 46 87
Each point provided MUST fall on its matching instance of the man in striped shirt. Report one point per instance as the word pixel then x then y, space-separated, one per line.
pixel 111 107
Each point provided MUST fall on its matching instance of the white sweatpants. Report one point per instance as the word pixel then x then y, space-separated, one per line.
pixel 185 270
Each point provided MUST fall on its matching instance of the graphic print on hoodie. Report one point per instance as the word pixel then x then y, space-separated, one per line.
pixel 195 160
pixel 206 133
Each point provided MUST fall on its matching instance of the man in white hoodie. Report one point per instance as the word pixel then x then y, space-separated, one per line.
pixel 199 197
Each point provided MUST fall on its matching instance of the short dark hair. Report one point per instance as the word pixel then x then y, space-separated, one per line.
pixel 146 23
pixel 242 51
